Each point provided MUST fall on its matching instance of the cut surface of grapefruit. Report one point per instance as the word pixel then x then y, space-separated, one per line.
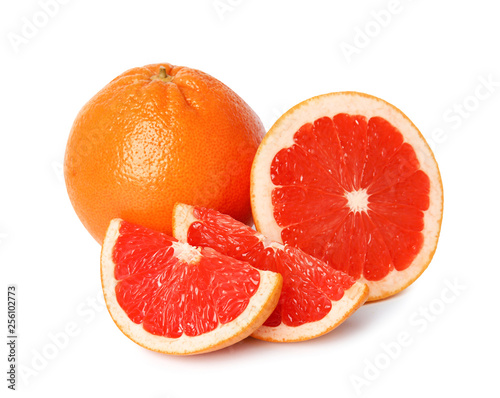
pixel 315 298
pixel 349 179
pixel 174 298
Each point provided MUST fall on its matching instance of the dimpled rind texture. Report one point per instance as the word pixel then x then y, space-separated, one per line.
pixel 140 145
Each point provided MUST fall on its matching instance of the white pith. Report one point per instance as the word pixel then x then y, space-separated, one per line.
pixel 185 252
pixel 281 136
pixel 357 200
pixel 353 298
pixel 182 218
pixel 259 308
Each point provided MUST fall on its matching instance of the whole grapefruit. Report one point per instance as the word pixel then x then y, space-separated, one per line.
pixel 157 135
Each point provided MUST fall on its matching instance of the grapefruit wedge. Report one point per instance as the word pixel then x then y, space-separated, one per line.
pixel 315 298
pixel 173 298
pixel 349 179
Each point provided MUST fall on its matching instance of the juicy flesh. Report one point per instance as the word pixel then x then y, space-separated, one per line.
pixel 309 285
pixel 350 191
pixel 172 288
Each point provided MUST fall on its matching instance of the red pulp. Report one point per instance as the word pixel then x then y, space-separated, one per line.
pixel 172 293
pixel 350 191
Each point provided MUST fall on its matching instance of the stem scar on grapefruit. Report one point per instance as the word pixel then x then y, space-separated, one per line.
pixel 156 135
pixel 349 179
pixel 174 298
pixel 315 298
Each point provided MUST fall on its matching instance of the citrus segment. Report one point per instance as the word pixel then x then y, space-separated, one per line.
pixel 172 297
pixel 315 298
pixel 347 178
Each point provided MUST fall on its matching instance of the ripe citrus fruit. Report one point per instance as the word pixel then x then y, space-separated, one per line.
pixel 315 298
pixel 170 297
pixel 349 179
pixel 156 135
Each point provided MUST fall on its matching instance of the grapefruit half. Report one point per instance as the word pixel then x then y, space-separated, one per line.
pixel 349 179
pixel 315 298
pixel 173 298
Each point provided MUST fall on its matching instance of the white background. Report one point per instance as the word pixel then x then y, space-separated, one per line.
pixel 430 59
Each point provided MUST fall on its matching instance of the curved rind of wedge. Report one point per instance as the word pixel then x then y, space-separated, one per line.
pixel 261 305
pixel 342 309
pixel 353 298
